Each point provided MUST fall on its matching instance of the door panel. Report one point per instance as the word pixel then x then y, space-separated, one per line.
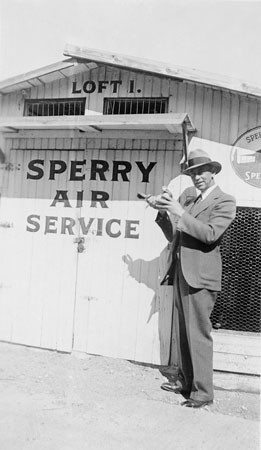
pixel 121 309
pixel 38 270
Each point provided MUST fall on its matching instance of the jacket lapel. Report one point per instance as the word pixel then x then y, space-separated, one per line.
pixel 190 202
pixel 204 204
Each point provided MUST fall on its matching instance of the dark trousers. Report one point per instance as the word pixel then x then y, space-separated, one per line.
pixel 192 309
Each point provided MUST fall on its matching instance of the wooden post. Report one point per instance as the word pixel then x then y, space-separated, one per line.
pixel 185 144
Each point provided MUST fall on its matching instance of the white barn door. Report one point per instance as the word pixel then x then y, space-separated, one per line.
pixel 38 261
pixel 121 309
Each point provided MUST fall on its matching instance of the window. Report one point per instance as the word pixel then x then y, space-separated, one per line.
pixel 55 107
pixel 152 105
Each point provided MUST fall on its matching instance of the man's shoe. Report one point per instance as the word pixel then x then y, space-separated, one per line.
pixel 190 403
pixel 172 386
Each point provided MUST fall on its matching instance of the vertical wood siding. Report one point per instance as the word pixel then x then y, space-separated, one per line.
pixel 107 298
pixel 38 270
pixel 121 310
pixel 218 115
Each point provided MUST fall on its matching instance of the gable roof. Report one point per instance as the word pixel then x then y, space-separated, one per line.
pixel 46 74
pixel 83 59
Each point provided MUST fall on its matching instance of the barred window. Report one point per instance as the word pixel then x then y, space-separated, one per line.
pixel 151 105
pixel 55 107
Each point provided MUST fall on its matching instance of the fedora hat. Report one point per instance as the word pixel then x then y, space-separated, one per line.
pixel 199 158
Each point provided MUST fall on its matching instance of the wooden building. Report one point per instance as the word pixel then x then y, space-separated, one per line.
pixel 81 256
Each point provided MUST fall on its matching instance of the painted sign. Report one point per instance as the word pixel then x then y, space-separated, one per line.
pixel 246 194
pixel 246 157
pixel 89 256
pixel 99 170
pixel 91 86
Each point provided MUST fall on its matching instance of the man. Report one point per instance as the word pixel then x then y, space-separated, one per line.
pixel 195 225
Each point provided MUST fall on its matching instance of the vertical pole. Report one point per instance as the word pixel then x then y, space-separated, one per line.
pixel 185 143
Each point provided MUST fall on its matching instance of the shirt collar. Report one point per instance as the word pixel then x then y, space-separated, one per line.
pixel 207 192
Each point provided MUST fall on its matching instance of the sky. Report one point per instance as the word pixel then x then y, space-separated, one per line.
pixel 222 37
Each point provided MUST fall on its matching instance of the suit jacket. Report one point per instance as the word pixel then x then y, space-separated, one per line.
pixel 197 236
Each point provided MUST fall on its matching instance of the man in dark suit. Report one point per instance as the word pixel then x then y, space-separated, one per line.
pixel 195 225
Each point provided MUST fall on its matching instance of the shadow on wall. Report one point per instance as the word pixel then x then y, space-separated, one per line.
pixel 151 273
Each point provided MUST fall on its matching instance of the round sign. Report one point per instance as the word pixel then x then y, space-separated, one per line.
pixel 246 156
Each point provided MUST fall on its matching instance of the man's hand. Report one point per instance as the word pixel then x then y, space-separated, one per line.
pixel 167 203
pixel 152 200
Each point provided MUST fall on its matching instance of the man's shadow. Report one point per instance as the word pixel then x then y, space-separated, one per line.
pixel 151 274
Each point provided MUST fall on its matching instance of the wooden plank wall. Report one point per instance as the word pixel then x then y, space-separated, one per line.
pixel 42 272
pixel 218 115
pixel 121 310
pixel 237 352
pixel 38 271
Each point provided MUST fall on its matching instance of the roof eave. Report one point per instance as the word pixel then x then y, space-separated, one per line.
pixel 62 69
pixel 82 58
pixel 159 68
pixel 173 122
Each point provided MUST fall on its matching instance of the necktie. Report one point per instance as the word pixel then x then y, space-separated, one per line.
pixel 198 199
pixel 196 202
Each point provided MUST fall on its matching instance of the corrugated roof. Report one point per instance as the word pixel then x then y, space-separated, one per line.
pixel 82 59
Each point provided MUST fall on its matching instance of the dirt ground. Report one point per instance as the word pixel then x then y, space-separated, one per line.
pixel 56 401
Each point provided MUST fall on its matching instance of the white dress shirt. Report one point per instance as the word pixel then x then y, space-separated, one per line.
pixel 207 192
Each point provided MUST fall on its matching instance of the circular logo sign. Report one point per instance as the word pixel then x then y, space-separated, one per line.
pixel 246 157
